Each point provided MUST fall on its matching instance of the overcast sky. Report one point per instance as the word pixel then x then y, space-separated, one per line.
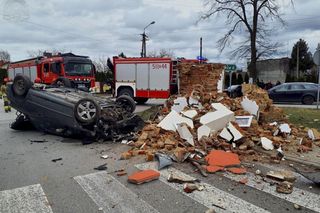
pixel 104 28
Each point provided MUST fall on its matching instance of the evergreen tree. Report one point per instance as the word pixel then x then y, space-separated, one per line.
pixel 305 56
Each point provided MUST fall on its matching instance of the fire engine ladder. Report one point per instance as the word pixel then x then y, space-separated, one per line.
pixel 175 74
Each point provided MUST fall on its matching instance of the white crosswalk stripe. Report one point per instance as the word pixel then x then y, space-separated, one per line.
pixel 29 199
pixel 226 202
pixel 298 196
pixel 111 195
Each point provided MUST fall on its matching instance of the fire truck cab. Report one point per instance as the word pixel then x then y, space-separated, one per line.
pixel 49 69
pixel 144 78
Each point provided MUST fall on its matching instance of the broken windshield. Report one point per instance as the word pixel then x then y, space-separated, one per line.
pixel 76 69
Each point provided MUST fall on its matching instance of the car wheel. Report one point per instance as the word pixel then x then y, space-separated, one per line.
pixel 87 111
pixel 21 85
pixel 141 100
pixel 308 99
pixel 125 91
pixel 127 103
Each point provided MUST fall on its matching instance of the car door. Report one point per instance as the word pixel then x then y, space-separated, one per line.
pixel 279 94
pixel 295 92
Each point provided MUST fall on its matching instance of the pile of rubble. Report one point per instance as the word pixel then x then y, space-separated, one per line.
pixel 214 132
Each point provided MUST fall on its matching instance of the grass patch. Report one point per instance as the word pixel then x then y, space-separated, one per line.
pixel 149 114
pixel 303 117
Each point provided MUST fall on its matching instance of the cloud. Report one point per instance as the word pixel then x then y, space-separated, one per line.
pixel 106 28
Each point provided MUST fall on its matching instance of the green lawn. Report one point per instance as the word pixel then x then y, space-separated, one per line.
pixel 303 117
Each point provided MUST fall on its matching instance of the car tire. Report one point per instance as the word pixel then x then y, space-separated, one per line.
pixel 21 85
pixel 125 91
pixel 127 103
pixel 141 100
pixel 65 82
pixel 308 100
pixel 87 111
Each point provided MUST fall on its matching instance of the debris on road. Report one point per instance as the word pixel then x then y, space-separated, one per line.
pixel 39 141
pixel 56 159
pixel 283 175
pixel 144 176
pixel 173 178
pixel 190 187
pixel 104 156
pixel 284 187
pixel 101 167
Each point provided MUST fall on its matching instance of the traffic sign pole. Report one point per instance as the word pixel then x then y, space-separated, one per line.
pixel 318 87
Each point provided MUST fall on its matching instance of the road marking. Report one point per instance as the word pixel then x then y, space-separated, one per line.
pixel 111 195
pixel 210 196
pixel 29 199
pixel 298 196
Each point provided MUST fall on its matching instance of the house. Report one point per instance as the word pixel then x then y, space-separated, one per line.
pixel 273 70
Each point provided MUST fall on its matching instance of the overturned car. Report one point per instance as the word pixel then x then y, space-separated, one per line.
pixel 70 112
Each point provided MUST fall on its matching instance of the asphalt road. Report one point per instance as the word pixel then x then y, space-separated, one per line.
pixel 31 182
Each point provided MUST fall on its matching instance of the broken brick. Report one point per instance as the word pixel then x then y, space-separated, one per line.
pixel 149 156
pixel 237 171
pixel 222 158
pixel 125 156
pixel 243 180
pixel 144 176
pixel 213 169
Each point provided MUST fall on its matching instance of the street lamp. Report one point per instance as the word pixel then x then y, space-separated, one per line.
pixel 144 40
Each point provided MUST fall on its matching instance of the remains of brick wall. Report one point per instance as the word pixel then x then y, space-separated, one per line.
pixel 207 75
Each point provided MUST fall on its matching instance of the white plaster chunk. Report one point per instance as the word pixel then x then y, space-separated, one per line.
pixel 172 119
pixel 266 143
pixel 220 83
pixel 179 104
pixel 226 134
pixel 190 113
pixel 185 133
pixel 311 134
pixel 273 124
pixel 285 128
pixel 195 103
pixel 250 106
pixel 218 119
pixel 203 131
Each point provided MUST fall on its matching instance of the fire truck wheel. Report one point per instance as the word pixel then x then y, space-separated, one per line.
pixel 141 100
pixel 127 103
pixel 21 85
pixel 125 91
pixel 87 111
pixel 64 82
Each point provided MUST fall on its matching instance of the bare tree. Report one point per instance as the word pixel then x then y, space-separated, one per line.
pixel 253 16
pixel 36 53
pixel 101 64
pixel 163 53
pixel 4 56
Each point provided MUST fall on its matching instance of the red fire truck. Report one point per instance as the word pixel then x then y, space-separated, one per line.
pixel 144 78
pixel 48 69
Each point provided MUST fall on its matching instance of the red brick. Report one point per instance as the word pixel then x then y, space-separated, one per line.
pixel 144 176
pixel 238 171
pixel 222 158
pixel 213 169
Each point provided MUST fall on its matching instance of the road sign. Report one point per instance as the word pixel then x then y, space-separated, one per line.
pixel 230 67
pixel 316 57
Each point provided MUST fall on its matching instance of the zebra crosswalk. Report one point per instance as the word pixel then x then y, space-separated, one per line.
pixel 111 195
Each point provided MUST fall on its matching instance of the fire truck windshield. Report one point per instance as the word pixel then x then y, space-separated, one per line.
pixel 77 69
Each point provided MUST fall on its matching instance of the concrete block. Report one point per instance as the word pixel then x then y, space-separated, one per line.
pixel 266 143
pixel 172 119
pixel 218 119
pixel 226 134
pixel 185 133
pixel 285 128
pixel 190 113
pixel 179 104
pixel 203 131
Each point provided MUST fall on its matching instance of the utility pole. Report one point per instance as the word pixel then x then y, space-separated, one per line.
pixel 144 41
pixel 201 49
pixel 298 44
